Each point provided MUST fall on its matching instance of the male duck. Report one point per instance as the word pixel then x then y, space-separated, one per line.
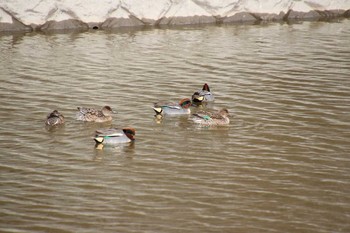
pixel 181 108
pixel 54 118
pixel 114 136
pixel 209 118
pixel 93 115
pixel 203 95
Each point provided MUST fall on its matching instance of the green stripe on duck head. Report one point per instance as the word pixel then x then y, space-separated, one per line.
pixel 130 133
pixel 185 103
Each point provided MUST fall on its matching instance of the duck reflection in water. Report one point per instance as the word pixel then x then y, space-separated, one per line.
pixel 112 152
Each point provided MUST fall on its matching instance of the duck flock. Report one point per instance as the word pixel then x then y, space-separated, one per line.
pixel 112 136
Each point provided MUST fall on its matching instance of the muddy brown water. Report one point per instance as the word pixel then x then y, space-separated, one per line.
pixel 282 165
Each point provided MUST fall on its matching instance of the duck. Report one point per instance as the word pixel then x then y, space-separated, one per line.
pixel 112 136
pixel 203 96
pixel 181 108
pixel 54 118
pixel 206 118
pixel 94 115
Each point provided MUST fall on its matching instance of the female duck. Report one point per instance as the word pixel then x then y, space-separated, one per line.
pixel 209 118
pixel 54 118
pixel 94 115
pixel 203 96
pixel 114 136
pixel 181 108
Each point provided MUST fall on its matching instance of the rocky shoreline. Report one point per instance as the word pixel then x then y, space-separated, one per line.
pixel 133 22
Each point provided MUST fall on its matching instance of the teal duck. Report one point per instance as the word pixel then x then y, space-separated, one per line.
pixel 203 96
pixel 181 108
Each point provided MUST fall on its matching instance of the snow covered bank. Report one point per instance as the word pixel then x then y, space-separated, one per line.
pixel 16 15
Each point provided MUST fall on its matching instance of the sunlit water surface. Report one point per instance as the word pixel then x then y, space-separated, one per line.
pixel 282 165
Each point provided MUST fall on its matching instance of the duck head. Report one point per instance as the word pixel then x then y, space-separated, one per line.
pixel 54 113
pixel 185 103
pixel 130 133
pixel 107 111
pixel 224 112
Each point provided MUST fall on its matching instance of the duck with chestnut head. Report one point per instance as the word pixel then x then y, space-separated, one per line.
pixel 112 136
pixel 180 108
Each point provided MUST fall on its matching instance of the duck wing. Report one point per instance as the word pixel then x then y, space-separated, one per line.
pixel 111 132
pixel 89 111
pixel 216 116
pixel 167 105
pixel 202 115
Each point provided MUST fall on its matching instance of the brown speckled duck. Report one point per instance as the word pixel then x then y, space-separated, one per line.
pixel 211 118
pixel 94 115
pixel 54 118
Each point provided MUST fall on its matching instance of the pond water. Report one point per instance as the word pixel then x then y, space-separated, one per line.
pixel 282 165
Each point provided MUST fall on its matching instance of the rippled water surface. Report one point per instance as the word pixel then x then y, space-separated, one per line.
pixel 281 166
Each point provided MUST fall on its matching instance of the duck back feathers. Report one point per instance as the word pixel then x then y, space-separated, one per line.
pixel 94 115
pixel 54 118
pixel 204 118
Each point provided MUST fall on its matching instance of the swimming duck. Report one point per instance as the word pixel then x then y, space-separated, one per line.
pixel 93 115
pixel 181 108
pixel 54 118
pixel 114 136
pixel 203 95
pixel 210 118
